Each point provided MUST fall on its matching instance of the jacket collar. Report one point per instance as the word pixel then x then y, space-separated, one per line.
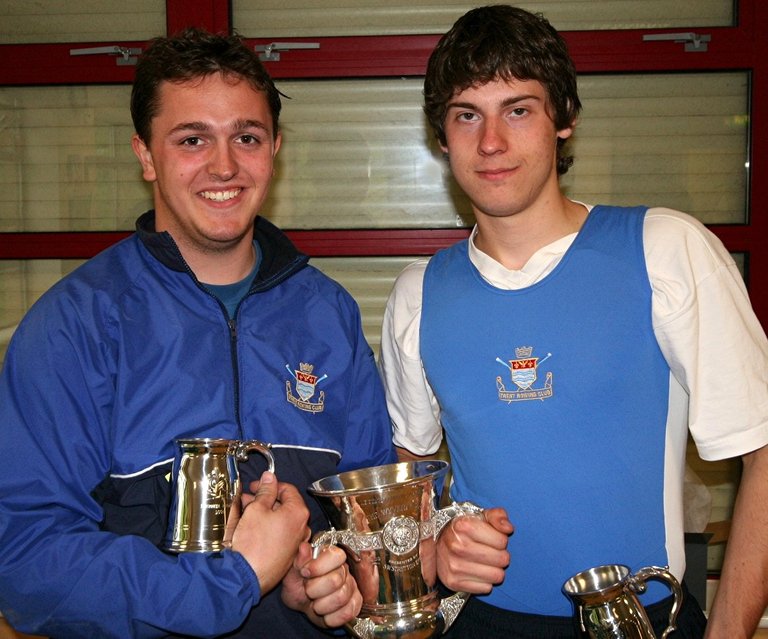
pixel 279 256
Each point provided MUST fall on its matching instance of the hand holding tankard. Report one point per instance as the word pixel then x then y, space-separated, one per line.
pixel 272 526
pixel 206 491
pixel 207 512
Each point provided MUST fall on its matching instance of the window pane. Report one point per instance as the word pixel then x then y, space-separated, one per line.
pixel 308 18
pixel 677 140
pixel 81 20
pixel 356 154
pixel 66 162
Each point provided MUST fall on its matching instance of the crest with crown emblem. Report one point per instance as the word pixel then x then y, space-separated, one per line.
pixel 524 373
pixel 306 385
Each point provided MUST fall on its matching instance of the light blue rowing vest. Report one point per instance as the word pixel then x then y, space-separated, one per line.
pixel 554 403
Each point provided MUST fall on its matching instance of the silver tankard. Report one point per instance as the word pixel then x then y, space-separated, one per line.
pixel 205 502
pixel 388 519
pixel 606 606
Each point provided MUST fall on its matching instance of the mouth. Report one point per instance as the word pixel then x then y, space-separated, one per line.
pixel 220 196
pixel 492 173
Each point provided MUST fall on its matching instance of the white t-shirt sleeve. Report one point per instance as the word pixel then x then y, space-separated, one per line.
pixel 412 405
pixel 708 333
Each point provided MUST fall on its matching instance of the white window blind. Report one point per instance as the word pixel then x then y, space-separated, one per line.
pixel 676 140
pixel 299 18
pixel 357 154
pixel 66 162
pixel 33 21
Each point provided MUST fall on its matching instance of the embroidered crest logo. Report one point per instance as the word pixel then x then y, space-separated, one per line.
pixel 306 384
pixel 524 373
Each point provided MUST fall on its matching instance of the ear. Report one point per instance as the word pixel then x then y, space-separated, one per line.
pixel 278 142
pixel 564 134
pixel 144 155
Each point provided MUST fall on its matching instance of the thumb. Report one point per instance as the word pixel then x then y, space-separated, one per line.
pixel 497 517
pixel 266 493
pixel 303 556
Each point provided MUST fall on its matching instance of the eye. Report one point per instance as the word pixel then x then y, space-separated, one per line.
pixel 192 140
pixel 248 138
pixel 466 116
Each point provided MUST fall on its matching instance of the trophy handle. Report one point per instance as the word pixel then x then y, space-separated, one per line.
pixel 637 583
pixel 357 542
pixel 349 539
pixel 245 447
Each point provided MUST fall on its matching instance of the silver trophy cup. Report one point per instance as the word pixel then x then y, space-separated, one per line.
pixel 388 519
pixel 205 502
pixel 606 606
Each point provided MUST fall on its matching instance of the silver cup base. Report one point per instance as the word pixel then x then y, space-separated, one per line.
pixel 195 546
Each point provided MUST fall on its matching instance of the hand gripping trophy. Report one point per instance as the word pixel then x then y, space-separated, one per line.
pixel 388 519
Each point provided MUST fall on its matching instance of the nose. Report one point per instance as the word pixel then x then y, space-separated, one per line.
pixel 223 164
pixel 491 138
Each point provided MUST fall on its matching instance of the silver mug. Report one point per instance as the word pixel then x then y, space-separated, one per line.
pixel 388 520
pixel 205 501
pixel 606 606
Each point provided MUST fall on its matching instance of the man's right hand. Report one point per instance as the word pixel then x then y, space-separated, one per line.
pixel 272 525
pixel 472 551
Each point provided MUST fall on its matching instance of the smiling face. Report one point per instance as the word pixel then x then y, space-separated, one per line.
pixel 502 147
pixel 210 161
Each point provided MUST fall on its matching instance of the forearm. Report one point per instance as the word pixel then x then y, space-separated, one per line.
pixel 405 455
pixel 742 594
pixel 100 585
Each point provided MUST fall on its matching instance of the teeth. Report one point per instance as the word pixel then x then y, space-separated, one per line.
pixel 220 196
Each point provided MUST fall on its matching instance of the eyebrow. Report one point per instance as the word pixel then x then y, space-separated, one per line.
pixel 237 125
pixel 505 103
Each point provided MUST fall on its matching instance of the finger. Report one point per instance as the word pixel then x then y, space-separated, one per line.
pixel 329 559
pixel 331 591
pixel 338 610
pixel 303 556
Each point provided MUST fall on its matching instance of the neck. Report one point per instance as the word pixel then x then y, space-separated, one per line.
pixel 513 239
pixel 225 266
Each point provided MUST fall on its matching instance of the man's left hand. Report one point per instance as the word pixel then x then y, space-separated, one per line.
pixel 323 587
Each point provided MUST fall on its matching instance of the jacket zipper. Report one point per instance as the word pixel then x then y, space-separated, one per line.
pixel 235 371
pixel 232 326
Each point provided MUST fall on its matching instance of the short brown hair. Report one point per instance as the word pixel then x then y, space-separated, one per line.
pixel 195 53
pixel 502 42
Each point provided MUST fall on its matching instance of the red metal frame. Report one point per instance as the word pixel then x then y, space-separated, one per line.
pixel 329 243
pixel 740 47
